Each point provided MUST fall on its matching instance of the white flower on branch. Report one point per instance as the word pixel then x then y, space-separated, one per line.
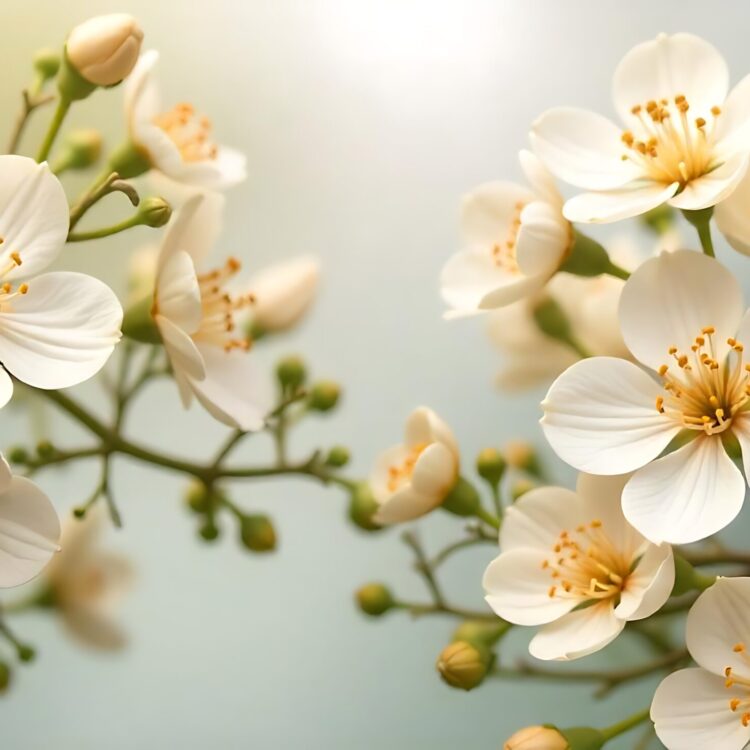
pixel 685 141
pixel 570 561
pixel 681 315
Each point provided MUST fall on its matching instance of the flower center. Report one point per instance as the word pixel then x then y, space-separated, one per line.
pixel 504 253
pixel 400 474
pixel 739 705
pixel 189 131
pixel 217 323
pixel 672 147
pixel 7 291
pixel 703 393
pixel 586 565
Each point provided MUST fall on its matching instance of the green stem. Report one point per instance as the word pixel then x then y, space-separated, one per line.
pixel 701 220
pixel 31 100
pixel 625 725
pixel 420 610
pixel 496 499
pixel 424 568
pixel 63 105
pixel 577 347
pixel 96 234
pixel 488 518
pixel 618 272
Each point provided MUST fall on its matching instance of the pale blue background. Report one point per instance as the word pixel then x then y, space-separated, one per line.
pixel 363 123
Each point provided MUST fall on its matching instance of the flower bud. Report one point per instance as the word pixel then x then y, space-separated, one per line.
pixel 209 531
pixel 324 395
pixel 374 599
pixel 104 49
pixel 45 449
pixel 521 455
pixel 18 455
pixel 363 507
pixel 291 373
pixel 337 457
pixel 491 465
pixel 197 497
pixel 464 665
pixel 154 212
pixel 463 499
pixel 46 63
pixel 520 488
pixel 257 533
pixel 81 149
pixel 537 738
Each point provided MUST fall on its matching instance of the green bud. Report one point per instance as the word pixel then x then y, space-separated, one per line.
pixel 154 212
pixel 338 456
pixel 463 499
pixel 374 599
pixel 257 533
pixel 18 455
pixel 197 497
pixel 209 531
pixel 687 578
pixel 587 257
pixel 520 488
pixel 46 63
pixel 291 373
pixel 81 149
pixel 25 652
pixel 5 675
pixel 583 738
pixel 464 665
pixel 324 395
pixel 129 161
pixel 481 631
pixel 138 323
pixel 363 507
pixel 491 465
pixel 660 219
pixel 551 320
pixel 45 449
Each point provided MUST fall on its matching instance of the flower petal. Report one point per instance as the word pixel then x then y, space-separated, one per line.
pixel 425 426
pixel 691 710
pixel 140 95
pixel 380 476
pixel 741 430
pixel 6 387
pixel 183 354
pixel 713 187
pixel 62 331
pixel 488 212
pixel 733 216
pixel 688 495
pixel 582 148
pixel 606 207
pixel 649 585
pixel 669 66
pixel 405 505
pixel 600 417
pixel 435 471
pixel 178 293
pixel 577 634
pixel 543 239
pixel 732 133
pixel 226 170
pixel 539 177
pixel 517 589
pixel 6 475
pixel 671 298
pixel 29 532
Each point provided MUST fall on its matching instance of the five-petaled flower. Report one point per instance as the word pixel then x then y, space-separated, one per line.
pixel 685 141
pixel 515 238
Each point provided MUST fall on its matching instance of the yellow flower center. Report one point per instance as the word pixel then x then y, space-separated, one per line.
pixel 586 565
pixel 741 706
pixel 7 291
pixel 504 252
pixel 189 131
pixel 703 393
pixel 674 147
pixel 400 474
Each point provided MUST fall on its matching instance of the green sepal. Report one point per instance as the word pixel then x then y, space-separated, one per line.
pixel 138 323
pixel 586 258
pixel 129 161
pixel 71 84
pixel 463 500
pixel 687 578
pixel 583 738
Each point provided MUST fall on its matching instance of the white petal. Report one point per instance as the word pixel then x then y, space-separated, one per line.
pixel 488 212
pixel 668 66
pixel 713 187
pixel 667 302
pixel 34 216
pixel 435 471
pixel 178 292
pixel 691 710
pixel 517 589
pixel 577 634
pixel 6 475
pixel 140 103
pixel 62 331
pixel 405 505
pixel 733 216
pixel 425 426
pixel 606 207
pixel 6 387
pixel 380 476
pixel 582 148
pixel 687 495
pixel 539 178
pixel 649 585
pixel 543 239
pixel 600 417
pixel 226 170
pixel 183 354
pixel 719 621
pixel 741 430
pixel 732 132
pixel 29 532
pixel 233 391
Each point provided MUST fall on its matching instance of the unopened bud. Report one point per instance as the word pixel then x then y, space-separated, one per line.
pixel 45 449
pixel 338 456
pixel 363 507
pixel 257 533
pixel 463 499
pixel 198 498
pixel 209 531
pixel 46 63
pixel 464 665
pixel 520 488
pixel 374 599
pixel 491 465
pixel 25 652
pixel 291 373
pixel 154 211
pixel 18 455
pixel 81 149
pixel 537 738
pixel 324 395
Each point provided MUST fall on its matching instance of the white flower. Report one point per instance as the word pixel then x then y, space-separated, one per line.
pixel 176 142
pixel 283 293
pixel 56 329
pixel 105 49
pixel 29 528
pixel 413 478
pixel 195 316
pixel 733 216
pixel 679 315
pixel 561 550
pixel 684 142
pixel 709 706
pixel 85 583
pixel 515 238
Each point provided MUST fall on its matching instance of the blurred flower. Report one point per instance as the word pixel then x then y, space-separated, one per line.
pixel 58 329
pixel 85 583
pixel 29 528
pixel 515 238
pixel 536 738
pixel 195 317
pixel 104 49
pixel 607 416
pixel 733 216
pixel 413 478
pixel 283 293
pixel 569 561
pixel 177 142
pixel 709 706
pixel 685 140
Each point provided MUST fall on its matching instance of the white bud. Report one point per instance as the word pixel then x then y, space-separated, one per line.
pixel 537 738
pixel 104 49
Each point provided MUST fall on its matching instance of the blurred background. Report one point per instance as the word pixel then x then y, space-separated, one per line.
pixel 363 124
